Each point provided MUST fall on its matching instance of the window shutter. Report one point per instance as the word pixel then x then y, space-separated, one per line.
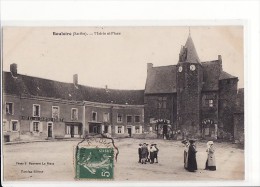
pixel 133 129
pixel 7 126
pixel 31 127
pixel 40 126
pixel 123 129
pixel 76 130
pixel 141 129
pixel 18 126
pixel 116 129
pixel 109 129
pixel 102 128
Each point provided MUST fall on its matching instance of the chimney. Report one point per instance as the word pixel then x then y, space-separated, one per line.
pixel 106 88
pixel 75 79
pixel 149 66
pixel 220 61
pixel 13 69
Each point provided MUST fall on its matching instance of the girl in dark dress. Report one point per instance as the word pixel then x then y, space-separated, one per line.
pixel 144 152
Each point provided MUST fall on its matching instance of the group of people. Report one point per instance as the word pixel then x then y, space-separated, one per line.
pixel 190 162
pixel 148 153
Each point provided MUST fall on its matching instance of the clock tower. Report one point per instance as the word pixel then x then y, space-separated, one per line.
pixel 189 85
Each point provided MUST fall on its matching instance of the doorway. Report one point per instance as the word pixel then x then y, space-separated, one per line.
pixel 129 131
pixel 50 127
pixel 106 129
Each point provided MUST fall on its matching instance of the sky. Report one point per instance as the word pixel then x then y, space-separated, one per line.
pixel 116 56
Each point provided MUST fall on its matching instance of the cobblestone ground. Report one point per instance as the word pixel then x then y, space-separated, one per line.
pixel 229 158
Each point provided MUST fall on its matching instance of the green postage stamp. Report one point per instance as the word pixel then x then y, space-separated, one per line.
pixel 95 163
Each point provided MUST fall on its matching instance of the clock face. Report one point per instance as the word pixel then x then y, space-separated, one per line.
pixel 192 67
pixel 180 69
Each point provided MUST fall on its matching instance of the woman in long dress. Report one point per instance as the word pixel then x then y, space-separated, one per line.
pixel 192 162
pixel 144 152
pixel 211 161
pixel 186 149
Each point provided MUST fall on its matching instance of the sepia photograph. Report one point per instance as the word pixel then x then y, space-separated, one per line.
pixel 133 103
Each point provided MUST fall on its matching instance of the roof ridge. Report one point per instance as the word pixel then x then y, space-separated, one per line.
pixel 164 66
pixel 87 86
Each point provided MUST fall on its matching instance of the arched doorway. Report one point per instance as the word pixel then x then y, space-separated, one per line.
pixel 209 129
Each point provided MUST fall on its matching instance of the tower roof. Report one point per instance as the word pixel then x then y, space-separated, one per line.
pixel 188 52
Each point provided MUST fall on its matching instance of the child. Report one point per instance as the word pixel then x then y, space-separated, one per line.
pixel 156 153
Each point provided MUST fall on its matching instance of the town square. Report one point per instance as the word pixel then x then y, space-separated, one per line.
pixel 229 161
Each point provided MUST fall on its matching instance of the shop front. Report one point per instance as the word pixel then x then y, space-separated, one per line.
pixel 73 130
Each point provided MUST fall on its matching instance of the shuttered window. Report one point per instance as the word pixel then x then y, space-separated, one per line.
pixel 15 125
pixel 106 117
pixel 119 118
pixel 74 114
pixel 137 119
pixel 9 108
pixel 36 110
pixel 36 126
pixel 55 112
pixel 129 119
pixel 119 130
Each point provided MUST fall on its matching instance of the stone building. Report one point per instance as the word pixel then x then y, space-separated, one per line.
pixel 239 117
pixel 190 99
pixel 36 108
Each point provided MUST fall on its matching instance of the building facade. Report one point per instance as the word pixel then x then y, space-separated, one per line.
pixel 36 109
pixel 191 99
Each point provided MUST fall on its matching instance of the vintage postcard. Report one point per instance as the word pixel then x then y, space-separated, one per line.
pixel 162 103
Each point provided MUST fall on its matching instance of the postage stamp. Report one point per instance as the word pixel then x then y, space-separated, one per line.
pixel 95 163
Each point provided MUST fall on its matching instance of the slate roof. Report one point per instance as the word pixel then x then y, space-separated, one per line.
pixel 161 80
pixel 225 75
pixel 34 86
pixel 191 54
pixel 211 73
pixel 239 108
